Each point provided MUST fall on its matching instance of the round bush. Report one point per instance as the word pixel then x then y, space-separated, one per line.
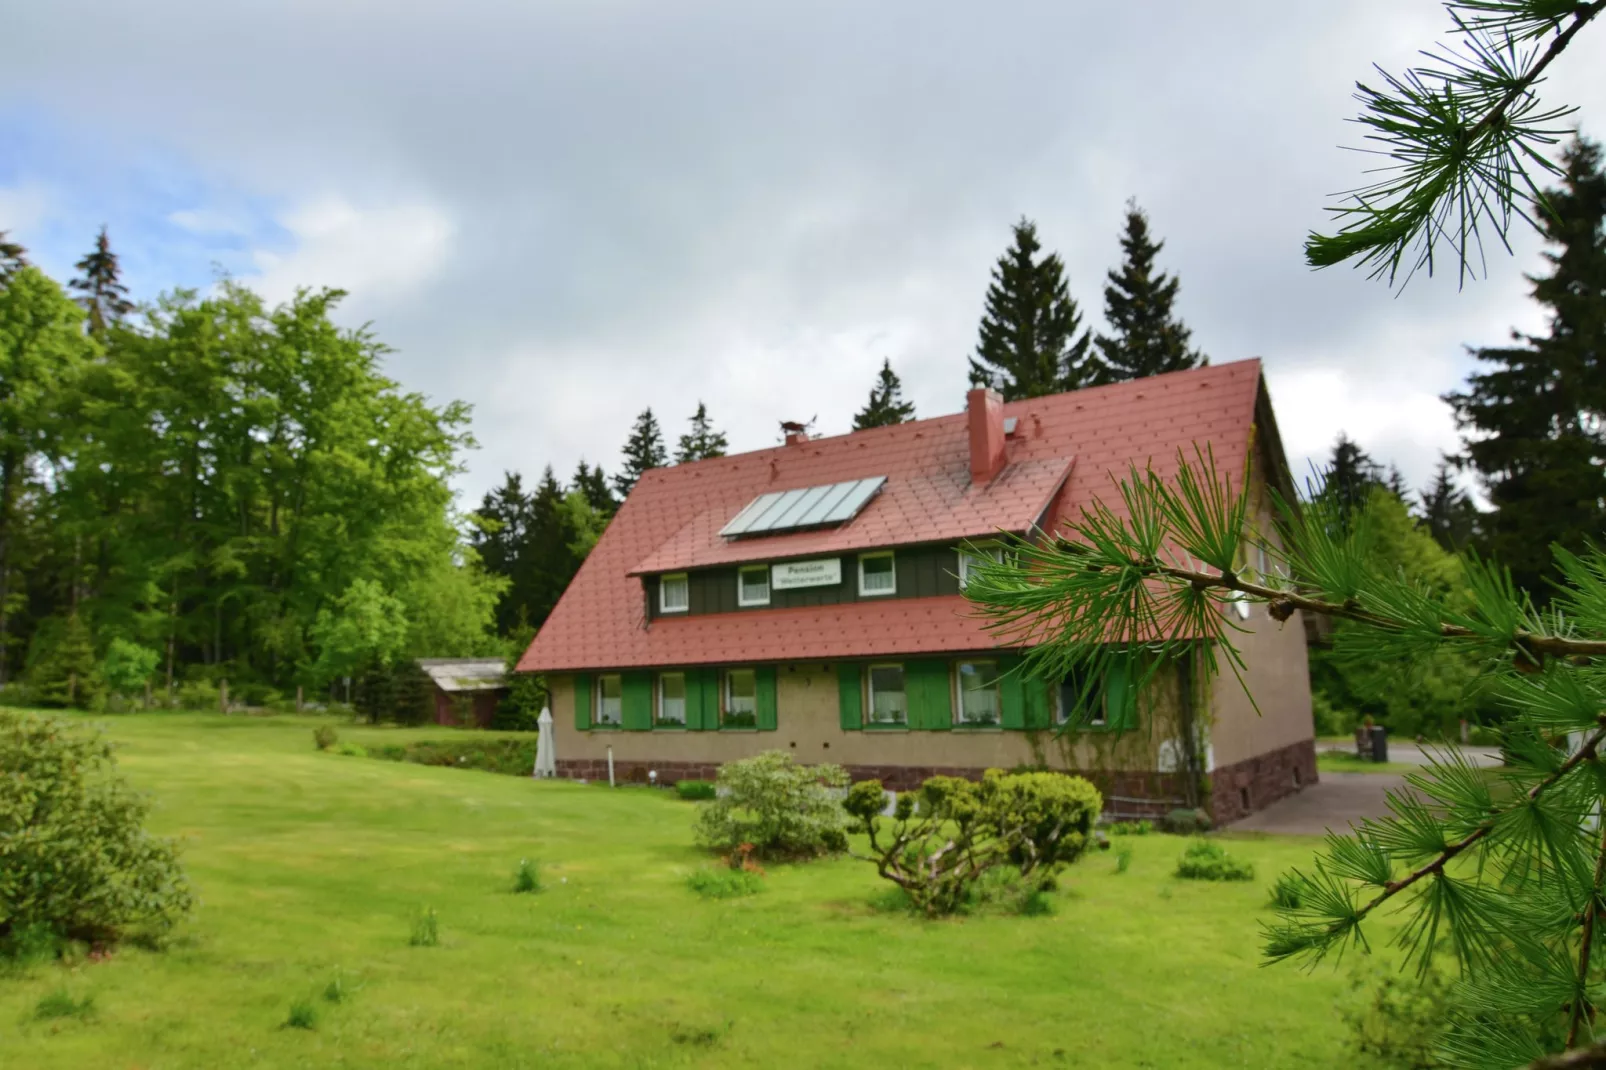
pixel 75 858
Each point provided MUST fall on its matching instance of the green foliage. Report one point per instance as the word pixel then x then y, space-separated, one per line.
pixel 886 406
pixel 128 667
pixel 527 878
pixel 197 695
pixel 366 627
pixel 350 750
pixel 65 673
pixel 1031 338
pixel 1460 134
pixel 1148 339
pixel 1206 860
pixel 1123 858
pixel 643 451
pixel 61 1003
pixel 535 542
pixel 1402 1018
pixel 520 707
pixel 695 790
pixel 1186 822
pixel 1533 408
pixel 1140 827
pixel 943 839
pixel 512 757
pixel 723 882
pixel 74 854
pixel 303 1015
pixel 780 808
pixel 325 736
pixel 702 441
pixel 426 929
pixel 100 288
pixel 338 990
pixel 1287 892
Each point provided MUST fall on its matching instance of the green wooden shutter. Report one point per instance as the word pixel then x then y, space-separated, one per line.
pixel 1121 694
pixel 850 689
pixel 764 680
pixel 585 691
pixel 931 705
pixel 1012 687
pixel 702 699
pixel 1039 703
pixel 636 698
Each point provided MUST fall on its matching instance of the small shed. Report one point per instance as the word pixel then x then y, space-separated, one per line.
pixel 467 690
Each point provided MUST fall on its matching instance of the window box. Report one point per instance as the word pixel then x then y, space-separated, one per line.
pixel 671 706
pixel 610 701
pixel 674 593
pixel 888 705
pixel 740 693
pixel 753 586
pixel 980 701
pixel 878 574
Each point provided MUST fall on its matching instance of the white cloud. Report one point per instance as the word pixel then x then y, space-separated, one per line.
pixel 208 221
pixel 24 206
pixel 379 254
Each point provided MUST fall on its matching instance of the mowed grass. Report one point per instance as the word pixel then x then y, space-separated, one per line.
pixel 312 867
pixel 1329 761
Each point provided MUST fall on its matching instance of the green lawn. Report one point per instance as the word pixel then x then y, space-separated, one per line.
pixel 1328 761
pixel 310 865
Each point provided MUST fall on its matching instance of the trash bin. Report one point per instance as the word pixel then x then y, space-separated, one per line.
pixel 1380 743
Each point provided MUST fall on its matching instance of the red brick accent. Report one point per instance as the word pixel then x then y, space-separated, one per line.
pixel 1240 789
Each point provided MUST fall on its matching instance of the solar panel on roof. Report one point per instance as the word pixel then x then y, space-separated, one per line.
pixel 806 507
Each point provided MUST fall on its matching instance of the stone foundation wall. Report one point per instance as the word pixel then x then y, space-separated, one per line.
pixel 1240 789
pixel 1126 794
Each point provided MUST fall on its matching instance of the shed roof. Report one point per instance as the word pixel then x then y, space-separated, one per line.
pixel 672 518
pixel 466 674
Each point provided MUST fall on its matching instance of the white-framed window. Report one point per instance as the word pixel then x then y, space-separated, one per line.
pixel 610 700
pixel 674 593
pixel 889 702
pixel 741 699
pixel 971 556
pixel 976 684
pixel 1076 703
pixel 878 574
pixel 753 585
pixel 671 700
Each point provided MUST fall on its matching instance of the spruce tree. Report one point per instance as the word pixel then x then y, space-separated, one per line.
pixel 1031 338
pixel 1351 475
pixel 13 258
pixel 501 544
pixel 65 675
pixel 886 405
pixel 644 450
pixel 1538 443
pixel 593 483
pixel 100 289
pixel 1148 339
pixel 702 441
pixel 1447 513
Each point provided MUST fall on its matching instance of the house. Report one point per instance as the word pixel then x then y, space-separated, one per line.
pixel 465 690
pixel 808 597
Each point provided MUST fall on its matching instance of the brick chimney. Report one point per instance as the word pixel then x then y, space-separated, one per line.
pixel 796 433
pixel 986 414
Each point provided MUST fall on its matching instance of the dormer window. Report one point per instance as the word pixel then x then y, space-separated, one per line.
pixel 878 574
pixel 753 585
pixel 972 556
pixel 674 594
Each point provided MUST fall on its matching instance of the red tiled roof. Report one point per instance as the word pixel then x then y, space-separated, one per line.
pixel 672 517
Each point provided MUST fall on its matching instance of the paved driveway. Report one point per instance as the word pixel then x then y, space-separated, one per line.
pixel 1333 802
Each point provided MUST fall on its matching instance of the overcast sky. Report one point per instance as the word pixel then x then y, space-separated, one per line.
pixel 564 211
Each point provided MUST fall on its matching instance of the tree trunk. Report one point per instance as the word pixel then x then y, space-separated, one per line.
pixel 223 696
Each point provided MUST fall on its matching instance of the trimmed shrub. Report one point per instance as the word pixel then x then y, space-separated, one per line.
pixel 324 736
pixel 1206 860
pixel 696 790
pixel 75 859
pixel 1185 822
pixel 723 882
pixel 780 809
pixel 942 840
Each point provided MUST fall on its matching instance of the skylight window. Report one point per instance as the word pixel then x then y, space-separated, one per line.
pixel 806 507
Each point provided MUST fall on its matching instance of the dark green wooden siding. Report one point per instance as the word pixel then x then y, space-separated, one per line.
pixel 923 572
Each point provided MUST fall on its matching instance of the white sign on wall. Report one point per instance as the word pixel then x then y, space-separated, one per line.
pixel 821 572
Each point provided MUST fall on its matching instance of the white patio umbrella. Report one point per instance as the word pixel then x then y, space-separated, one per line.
pixel 546 762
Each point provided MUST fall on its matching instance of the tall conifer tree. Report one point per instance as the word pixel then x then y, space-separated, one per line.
pixel 1538 409
pixel 644 450
pixel 593 483
pixel 886 405
pixel 1351 475
pixel 1148 339
pixel 100 289
pixel 702 441
pixel 1031 338
pixel 1447 512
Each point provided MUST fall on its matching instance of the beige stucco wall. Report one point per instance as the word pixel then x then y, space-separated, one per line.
pixel 808 725
pixel 1278 677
